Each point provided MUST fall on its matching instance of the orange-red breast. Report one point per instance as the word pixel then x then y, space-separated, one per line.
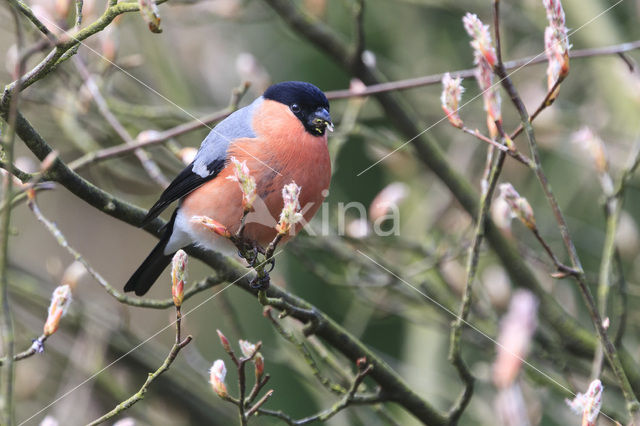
pixel 282 137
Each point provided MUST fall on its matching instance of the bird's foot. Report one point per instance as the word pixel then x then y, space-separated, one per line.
pixel 261 282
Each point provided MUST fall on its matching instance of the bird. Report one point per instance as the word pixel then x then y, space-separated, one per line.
pixel 282 138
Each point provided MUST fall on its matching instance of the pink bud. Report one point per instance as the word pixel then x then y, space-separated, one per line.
pixel 516 331
pixel 556 43
pixel 150 14
pixel 247 348
pixel 73 274
pixel 258 360
pixel 519 206
pixel 389 198
pixel 242 175
pixel 480 38
pixel 290 214
pixel 60 300
pixel 212 225
pixel 224 341
pixel 452 91
pixel 485 59
pixel 178 276
pixel 217 374
pixel 588 404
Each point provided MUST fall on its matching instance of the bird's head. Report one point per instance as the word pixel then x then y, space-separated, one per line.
pixel 306 102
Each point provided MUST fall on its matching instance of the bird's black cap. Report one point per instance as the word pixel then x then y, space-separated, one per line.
pixel 297 92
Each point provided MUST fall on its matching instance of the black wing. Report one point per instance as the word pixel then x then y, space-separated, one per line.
pixel 182 185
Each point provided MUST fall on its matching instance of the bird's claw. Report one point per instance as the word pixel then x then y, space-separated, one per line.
pixel 261 282
pixel 270 264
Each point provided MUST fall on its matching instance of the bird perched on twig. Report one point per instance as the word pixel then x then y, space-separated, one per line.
pixel 282 138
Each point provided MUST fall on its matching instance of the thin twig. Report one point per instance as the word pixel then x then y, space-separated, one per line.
pixel 515 154
pixel 546 102
pixel 147 162
pixel 429 80
pixel 120 297
pixel 36 347
pixel 350 398
pixel 173 353
pixel 8 337
pixel 67 48
pixel 159 137
pixel 623 306
pixel 633 407
pixel 306 355
pixel 455 355
pixel 613 210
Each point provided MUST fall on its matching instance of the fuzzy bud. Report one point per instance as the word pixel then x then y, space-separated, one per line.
pixel 212 225
pixel 247 348
pixel 224 341
pixel 485 59
pixel 588 404
pixel 247 183
pixel 481 38
pixel 73 274
pixel 556 43
pixel 258 361
pixel 178 276
pixel 217 374
pixel 387 199
pixel 150 14
pixel 519 206
pixel 290 214
pixel 60 301
pixel 595 146
pixel 516 331
pixel 452 91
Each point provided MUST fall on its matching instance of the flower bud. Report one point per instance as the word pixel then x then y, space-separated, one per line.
pixel 73 274
pixel 480 38
pixel 556 43
pixel 212 225
pixel 519 206
pixel 452 91
pixel 178 276
pixel 224 341
pixel 387 199
pixel 60 300
pixel 217 373
pixel 150 14
pixel 588 404
pixel 485 59
pixel 258 361
pixel 247 348
pixel 290 214
pixel 247 183
pixel 516 331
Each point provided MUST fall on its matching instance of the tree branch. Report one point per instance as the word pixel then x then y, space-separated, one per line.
pixel 412 83
pixel 573 335
pixel 633 406
pixel 231 271
pixel 129 402
pixel 159 137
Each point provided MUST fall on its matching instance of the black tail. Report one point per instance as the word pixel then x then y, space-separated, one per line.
pixel 147 274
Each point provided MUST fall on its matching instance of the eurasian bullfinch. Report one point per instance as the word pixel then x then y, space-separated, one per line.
pixel 282 137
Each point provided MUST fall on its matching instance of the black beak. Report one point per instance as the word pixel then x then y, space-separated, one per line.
pixel 322 119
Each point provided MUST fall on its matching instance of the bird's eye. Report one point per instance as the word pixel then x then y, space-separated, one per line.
pixel 295 108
